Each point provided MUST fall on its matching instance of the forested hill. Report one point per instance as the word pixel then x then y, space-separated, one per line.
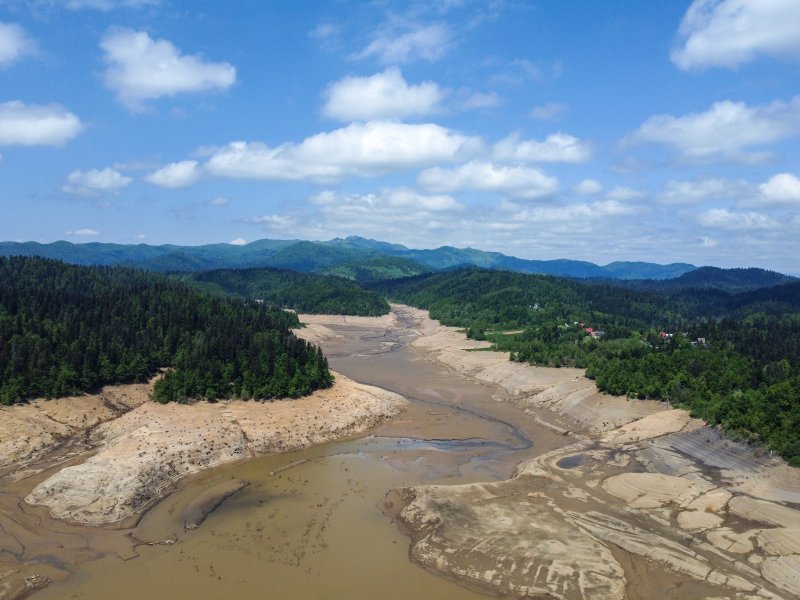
pixel 732 281
pixel 303 292
pixel 355 256
pixel 740 369
pixel 67 329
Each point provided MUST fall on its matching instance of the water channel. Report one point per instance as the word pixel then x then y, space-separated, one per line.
pixel 309 524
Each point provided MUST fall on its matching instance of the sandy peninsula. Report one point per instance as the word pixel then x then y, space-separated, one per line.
pixel 103 459
pixel 147 449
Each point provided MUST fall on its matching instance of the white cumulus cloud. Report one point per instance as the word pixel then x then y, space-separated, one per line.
pixel 14 43
pixel 722 218
pixel 588 187
pixel 84 232
pixel 578 212
pixel 701 190
pixel 273 221
pixel 781 189
pixel 517 181
pixel 384 95
pixel 558 147
pixel 728 33
pixel 624 194
pixel 428 42
pixel 95 181
pixel 390 208
pixel 141 69
pixel 238 242
pixel 360 149
pixel 175 175
pixel 36 125
pixel 725 131
pixel 219 201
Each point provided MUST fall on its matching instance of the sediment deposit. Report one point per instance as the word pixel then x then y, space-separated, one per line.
pixel 151 447
pixel 29 431
pixel 644 487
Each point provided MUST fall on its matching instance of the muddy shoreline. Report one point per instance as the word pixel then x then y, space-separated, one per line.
pixel 637 501
pixel 107 458
pixel 644 486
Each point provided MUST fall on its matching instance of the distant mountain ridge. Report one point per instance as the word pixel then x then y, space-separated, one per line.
pixel 732 281
pixel 351 257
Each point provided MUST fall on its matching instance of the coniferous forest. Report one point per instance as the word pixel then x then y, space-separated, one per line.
pixel 66 329
pixel 732 357
pixel 304 292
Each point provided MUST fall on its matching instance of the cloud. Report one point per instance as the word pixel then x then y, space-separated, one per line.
pixel 323 31
pixel 84 232
pixel 515 181
pixel 426 42
pixel 549 111
pixel 480 100
pixel 384 95
pixel 219 201
pixel 701 190
pixel 360 149
pixel 729 33
pixel 175 175
pixel 108 5
pixel 382 213
pixel 273 221
pixel 238 242
pixel 397 198
pixel 722 218
pixel 141 68
pixel 409 199
pixel 36 125
pixel 14 43
pixel 558 147
pixel 580 211
pixel 521 70
pixel 624 194
pixel 782 189
pixel 95 181
pixel 724 131
pixel 588 187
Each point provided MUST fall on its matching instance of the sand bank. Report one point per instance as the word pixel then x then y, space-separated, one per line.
pixel 143 452
pixel 29 431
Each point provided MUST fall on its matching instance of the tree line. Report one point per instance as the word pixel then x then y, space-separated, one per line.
pixel 67 329
pixel 743 374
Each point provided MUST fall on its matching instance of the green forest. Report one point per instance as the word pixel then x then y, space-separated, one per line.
pixel 302 292
pixel 67 329
pixel 723 343
pixel 731 359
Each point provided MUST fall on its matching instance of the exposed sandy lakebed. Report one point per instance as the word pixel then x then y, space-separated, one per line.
pixel 647 503
pixel 104 458
pixel 620 499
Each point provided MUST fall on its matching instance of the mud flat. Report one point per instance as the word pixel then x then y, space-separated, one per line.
pixel 30 431
pixel 151 447
pixel 647 503
pixel 98 460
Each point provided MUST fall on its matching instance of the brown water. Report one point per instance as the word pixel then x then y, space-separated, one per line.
pixel 315 530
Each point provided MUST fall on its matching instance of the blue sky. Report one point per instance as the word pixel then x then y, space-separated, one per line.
pixel 657 131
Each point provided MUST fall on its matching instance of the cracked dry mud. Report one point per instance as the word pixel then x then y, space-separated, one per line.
pixel 643 483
